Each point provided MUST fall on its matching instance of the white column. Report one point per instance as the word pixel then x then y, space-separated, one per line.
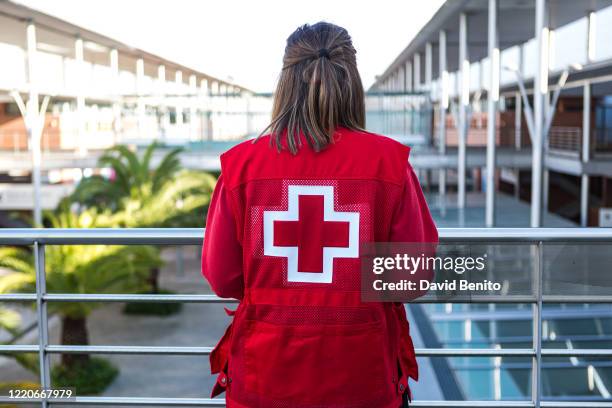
pixel 116 94
pixel 80 98
pixel 33 124
pixel 591 36
pixel 428 65
pixel 222 118
pixel 162 90
pixel 492 100
pixel 539 97
pixel 545 184
pixel 586 126
pixel 464 96
pixel 193 107
pixel 178 80
pixel 426 125
pixel 518 111
pixel 408 87
pixel 585 154
pixel 141 110
pixel 416 67
pixel 204 93
pixel 444 91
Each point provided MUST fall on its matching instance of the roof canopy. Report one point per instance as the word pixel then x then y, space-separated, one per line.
pixel 516 26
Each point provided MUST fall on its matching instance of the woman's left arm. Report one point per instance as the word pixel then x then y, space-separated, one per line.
pixel 221 251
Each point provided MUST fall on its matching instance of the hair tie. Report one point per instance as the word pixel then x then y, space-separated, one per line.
pixel 324 52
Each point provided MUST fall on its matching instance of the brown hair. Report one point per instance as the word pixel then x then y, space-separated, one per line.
pixel 319 88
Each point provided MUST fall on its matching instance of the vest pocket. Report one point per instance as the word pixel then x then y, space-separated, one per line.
pixel 327 364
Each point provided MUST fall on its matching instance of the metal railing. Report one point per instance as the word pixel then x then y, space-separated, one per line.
pixel 567 139
pixel 39 238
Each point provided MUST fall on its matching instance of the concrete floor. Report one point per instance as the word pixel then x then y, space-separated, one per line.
pixel 509 212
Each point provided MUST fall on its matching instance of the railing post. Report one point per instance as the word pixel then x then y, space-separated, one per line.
pixel 41 311
pixel 536 368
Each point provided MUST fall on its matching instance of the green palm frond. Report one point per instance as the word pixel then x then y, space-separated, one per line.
pixel 126 155
pixel 16 259
pixel 122 173
pixel 17 282
pixel 146 160
pixel 169 165
pixel 187 194
pixel 9 320
pixel 97 190
pixel 144 197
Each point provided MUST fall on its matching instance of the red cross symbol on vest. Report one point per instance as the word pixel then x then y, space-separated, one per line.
pixel 310 234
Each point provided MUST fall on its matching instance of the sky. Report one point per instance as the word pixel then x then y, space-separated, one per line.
pixel 243 40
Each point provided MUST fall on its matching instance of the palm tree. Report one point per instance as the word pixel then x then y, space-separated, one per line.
pixel 133 177
pixel 78 269
pixel 176 203
pixel 141 197
pixel 10 321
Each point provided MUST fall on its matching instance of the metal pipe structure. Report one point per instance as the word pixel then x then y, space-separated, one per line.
pixel 444 92
pixel 492 100
pixel 464 100
pixel 32 122
pixel 539 94
pixel 39 238
pixel 194 236
pixel 585 154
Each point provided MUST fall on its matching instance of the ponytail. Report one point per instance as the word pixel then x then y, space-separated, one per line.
pixel 319 89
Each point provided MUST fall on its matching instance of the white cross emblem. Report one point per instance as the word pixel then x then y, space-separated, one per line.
pixel 301 231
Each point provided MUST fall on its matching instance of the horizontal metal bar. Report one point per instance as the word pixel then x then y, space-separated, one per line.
pixel 525 235
pixel 577 352
pixel 17 297
pixel 472 352
pixel 94 297
pixel 220 402
pixel 481 299
pixel 421 352
pixel 470 404
pixel 576 299
pixel 61 349
pixel 19 348
pixel 576 404
pixel 125 401
pixel 116 236
pixel 193 236
pixel 195 298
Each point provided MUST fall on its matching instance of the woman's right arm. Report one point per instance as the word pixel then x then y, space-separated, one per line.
pixel 222 251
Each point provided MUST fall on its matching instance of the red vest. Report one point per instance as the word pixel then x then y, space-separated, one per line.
pixel 301 337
